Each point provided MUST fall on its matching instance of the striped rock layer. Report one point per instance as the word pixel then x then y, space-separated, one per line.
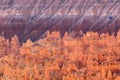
pixel 33 18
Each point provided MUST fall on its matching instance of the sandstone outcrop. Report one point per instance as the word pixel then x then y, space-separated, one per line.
pixel 31 19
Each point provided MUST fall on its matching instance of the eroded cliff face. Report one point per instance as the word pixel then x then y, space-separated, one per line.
pixel 32 18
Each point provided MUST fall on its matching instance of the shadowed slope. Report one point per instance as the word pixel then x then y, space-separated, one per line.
pixel 31 19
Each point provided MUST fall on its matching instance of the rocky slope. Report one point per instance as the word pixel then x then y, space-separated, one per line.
pixel 32 18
